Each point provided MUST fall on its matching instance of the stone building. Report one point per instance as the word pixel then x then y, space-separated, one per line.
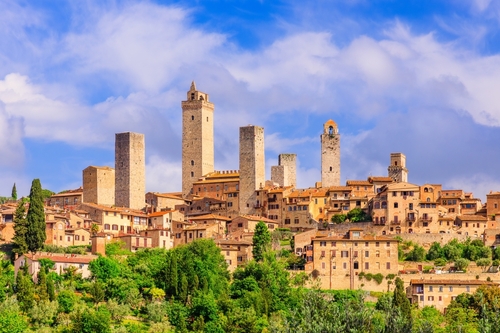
pixel 197 138
pixel 66 199
pixel 285 173
pixel 397 169
pixel 130 167
pixel 330 155
pixel 99 185
pixel 252 166
pixel 338 257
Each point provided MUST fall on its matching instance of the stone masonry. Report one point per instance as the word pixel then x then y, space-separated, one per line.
pixel 99 185
pixel 397 170
pixel 252 166
pixel 330 155
pixel 284 173
pixel 130 165
pixel 197 138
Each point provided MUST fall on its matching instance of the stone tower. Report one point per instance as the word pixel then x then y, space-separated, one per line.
pixel 252 166
pixel 285 172
pixel 130 175
pixel 197 138
pixel 397 170
pixel 330 155
pixel 99 185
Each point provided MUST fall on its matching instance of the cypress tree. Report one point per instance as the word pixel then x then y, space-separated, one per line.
pixel 51 289
pixel 25 290
pixel 43 294
pixel 401 302
pixel 35 235
pixel 14 192
pixel 261 241
pixel 20 229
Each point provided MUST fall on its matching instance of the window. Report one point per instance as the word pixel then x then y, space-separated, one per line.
pixel 440 298
pixel 430 298
pixel 322 243
pixel 451 288
pixel 323 265
pixel 367 265
pixel 366 243
pixel 440 289
pixel 467 289
pixel 367 254
pixel 430 288
pixel 388 253
pixel 344 265
pixel 388 265
pixel 192 117
pixel 377 253
pixel 106 227
pixel 192 174
pixel 377 244
pixel 114 227
pixel 83 238
pixel 395 204
pixel 388 244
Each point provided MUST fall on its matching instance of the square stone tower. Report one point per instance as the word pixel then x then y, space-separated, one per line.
pixel 330 155
pixel 252 166
pixel 285 172
pixel 397 169
pixel 99 185
pixel 197 138
pixel 130 166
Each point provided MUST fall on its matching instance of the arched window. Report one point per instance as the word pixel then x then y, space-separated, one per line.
pixel 426 189
pixel 331 168
pixel 192 117
pixel 192 162
pixel 192 96
pixel 428 199
pixel 192 174
pixel 330 130
pixel 384 205
pixel 377 205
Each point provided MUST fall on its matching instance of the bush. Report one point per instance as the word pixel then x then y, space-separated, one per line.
pixel 440 262
pixel 378 278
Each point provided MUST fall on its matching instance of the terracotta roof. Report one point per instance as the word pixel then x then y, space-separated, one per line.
pixel 453 282
pixel 331 122
pixel 232 242
pixel 213 181
pixel 160 213
pixel 471 218
pixel 74 259
pixel 209 217
pixel 358 239
pixel 78 191
pixel 339 188
pixel 257 218
pixel 280 189
pixel 358 182
pixel 380 179
pixel 123 210
pixel 171 195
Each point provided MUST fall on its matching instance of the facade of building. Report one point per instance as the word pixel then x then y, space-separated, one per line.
pixel 99 185
pixel 397 169
pixel 197 138
pixel 439 293
pixel 67 199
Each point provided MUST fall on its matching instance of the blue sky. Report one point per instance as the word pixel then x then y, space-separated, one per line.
pixel 418 77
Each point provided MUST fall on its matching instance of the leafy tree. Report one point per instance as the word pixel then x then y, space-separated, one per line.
pixel 339 218
pixel 118 311
pixel 35 234
pixel 261 241
pixel 43 294
pixel 20 245
pixel 358 215
pixel 14 192
pixel 435 252
pixel 66 300
pixel 97 292
pixel 11 319
pixel 483 262
pixel 46 193
pixel 43 313
pixel 416 254
pixel 461 264
pixel 92 321
pixel 104 268
pixel 440 262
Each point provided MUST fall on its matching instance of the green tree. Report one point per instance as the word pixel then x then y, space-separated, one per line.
pixel 46 193
pixel 261 241
pixel 339 218
pixel 25 289
pixel 92 321
pixel 358 215
pixel 416 254
pixel 42 291
pixel 461 264
pixel 483 262
pixel 104 269
pixel 435 252
pixel 97 292
pixel 20 245
pixel 14 192
pixel 67 300
pixel 401 302
pixel 11 319
pixel 35 234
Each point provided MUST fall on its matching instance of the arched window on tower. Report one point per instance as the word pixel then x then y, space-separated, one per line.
pixel 331 168
pixel 192 174
pixel 192 96
pixel 192 117
pixel 396 163
pixel 330 130
pixel 192 162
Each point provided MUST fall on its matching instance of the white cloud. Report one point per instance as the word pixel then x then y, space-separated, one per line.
pixel 477 183
pixel 162 175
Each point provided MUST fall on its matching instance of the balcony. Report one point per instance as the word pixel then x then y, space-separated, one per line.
pixel 410 218
pixel 396 222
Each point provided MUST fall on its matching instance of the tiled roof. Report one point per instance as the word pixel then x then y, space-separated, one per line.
pixel 358 239
pixel 58 258
pixel 122 210
pixel 160 213
pixel 257 218
pixel 358 182
pixel 78 191
pixel 380 179
pixel 232 242
pixel 453 282
pixel 209 217
pixel 466 217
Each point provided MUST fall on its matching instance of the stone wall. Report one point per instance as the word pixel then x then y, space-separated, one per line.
pixel 252 166
pixel 130 165
pixel 289 161
pixel 279 174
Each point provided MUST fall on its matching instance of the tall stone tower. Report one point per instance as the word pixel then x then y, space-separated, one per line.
pixel 285 173
pixel 252 166
pixel 330 155
pixel 197 138
pixel 397 170
pixel 99 185
pixel 130 175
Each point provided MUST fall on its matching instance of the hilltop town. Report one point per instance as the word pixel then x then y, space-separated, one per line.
pixel 339 231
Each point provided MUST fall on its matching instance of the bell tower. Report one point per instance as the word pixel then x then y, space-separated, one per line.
pixel 197 138
pixel 330 155
pixel 397 170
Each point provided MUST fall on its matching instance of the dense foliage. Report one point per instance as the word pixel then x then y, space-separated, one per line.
pixel 189 289
pixel 35 218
